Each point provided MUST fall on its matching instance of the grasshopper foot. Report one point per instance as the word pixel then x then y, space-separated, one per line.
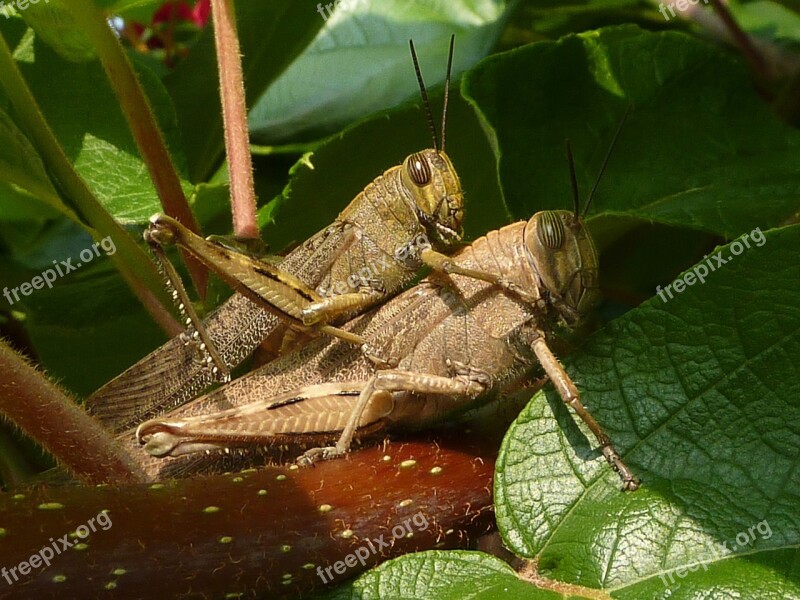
pixel 375 358
pixel 309 457
pixel 469 374
pixel 515 290
pixel 313 313
pixel 629 481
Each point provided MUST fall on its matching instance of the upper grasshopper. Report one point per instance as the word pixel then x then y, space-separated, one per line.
pixel 450 342
pixel 372 250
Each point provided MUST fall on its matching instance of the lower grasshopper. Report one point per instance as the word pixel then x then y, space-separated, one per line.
pixel 389 224
pixel 451 341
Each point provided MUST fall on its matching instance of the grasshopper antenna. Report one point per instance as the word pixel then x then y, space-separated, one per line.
pixel 605 160
pixel 576 199
pixel 424 93
pixel 447 90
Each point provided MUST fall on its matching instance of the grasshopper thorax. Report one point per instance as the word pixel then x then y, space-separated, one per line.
pixel 563 256
pixel 435 192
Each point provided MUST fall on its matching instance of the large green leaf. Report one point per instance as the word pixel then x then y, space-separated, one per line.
pixel 702 395
pixel 707 157
pixel 54 24
pixel 359 62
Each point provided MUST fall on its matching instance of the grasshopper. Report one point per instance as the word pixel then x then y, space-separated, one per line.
pixel 375 247
pixel 451 342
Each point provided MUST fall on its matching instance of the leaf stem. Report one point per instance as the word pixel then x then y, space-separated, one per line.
pixel 530 573
pixel 252 532
pixel 131 260
pixel 139 115
pixel 234 118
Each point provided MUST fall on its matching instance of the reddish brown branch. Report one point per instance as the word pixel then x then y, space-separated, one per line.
pixel 268 532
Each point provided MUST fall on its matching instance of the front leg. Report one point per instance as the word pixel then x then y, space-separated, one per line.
pixel 467 382
pixel 444 264
pixel 264 283
pixel 570 395
pixel 325 309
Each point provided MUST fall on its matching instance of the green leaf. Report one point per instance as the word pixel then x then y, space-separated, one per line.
pixel 271 35
pixel 24 178
pixel 701 395
pixel 359 63
pixel 72 96
pixel 54 25
pixel 533 21
pixel 687 150
pixel 441 575
pixel 89 326
pixel 767 19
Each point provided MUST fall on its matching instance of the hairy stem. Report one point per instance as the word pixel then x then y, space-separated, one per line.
pixel 40 409
pixel 234 118
pixel 743 41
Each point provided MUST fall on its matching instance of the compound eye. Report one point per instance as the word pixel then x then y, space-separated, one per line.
pixel 551 230
pixel 418 169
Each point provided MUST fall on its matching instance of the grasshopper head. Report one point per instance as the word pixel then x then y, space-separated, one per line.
pixel 562 253
pixel 435 190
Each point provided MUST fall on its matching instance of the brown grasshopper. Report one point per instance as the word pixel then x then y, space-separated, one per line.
pixel 451 341
pixel 375 247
